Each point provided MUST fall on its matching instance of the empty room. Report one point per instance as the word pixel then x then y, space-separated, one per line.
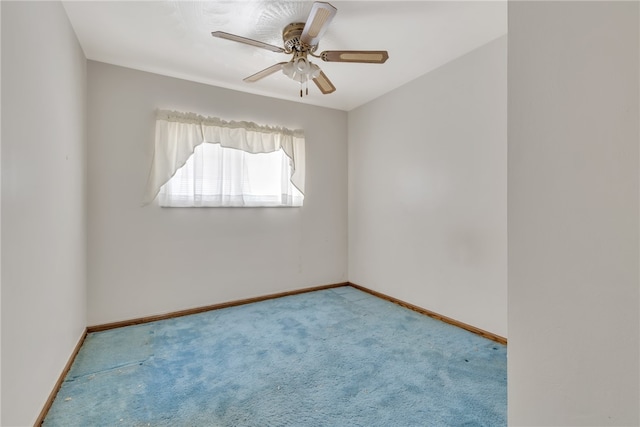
pixel 345 213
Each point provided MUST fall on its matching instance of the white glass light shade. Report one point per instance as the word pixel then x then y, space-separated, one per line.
pixel 301 70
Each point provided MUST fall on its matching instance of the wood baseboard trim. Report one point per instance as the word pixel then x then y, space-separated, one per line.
pixel 147 319
pixel 478 331
pixel 196 310
pixel 63 375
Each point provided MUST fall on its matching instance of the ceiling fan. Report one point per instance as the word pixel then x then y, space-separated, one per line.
pixel 301 40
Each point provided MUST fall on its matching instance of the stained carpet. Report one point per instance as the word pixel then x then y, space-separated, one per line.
pixel 337 357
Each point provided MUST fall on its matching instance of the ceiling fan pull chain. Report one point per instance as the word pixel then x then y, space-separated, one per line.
pixel 300 89
pixel 307 81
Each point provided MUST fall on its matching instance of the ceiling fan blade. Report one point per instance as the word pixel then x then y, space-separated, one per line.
pixel 251 42
pixel 264 73
pixel 324 84
pixel 319 19
pixel 365 56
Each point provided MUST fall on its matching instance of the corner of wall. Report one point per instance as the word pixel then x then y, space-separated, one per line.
pixel 43 233
pixel 431 228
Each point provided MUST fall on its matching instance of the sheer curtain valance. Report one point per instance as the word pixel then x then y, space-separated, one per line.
pixel 178 134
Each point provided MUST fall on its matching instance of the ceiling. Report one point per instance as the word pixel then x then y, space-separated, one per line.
pixel 173 38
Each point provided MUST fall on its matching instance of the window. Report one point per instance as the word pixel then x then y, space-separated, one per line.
pixel 221 176
pixel 204 161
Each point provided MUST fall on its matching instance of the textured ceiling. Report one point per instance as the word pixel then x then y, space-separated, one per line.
pixel 173 38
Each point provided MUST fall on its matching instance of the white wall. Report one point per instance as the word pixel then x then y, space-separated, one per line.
pixel 151 260
pixel 573 213
pixel 0 215
pixel 43 203
pixel 427 191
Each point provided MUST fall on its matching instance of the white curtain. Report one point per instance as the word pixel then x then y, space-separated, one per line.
pixel 220 176
pixel 178 135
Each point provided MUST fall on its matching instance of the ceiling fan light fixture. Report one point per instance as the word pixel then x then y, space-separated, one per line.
pixel 301 69
pixel 315 70
pixel 289 70
pixel 301 65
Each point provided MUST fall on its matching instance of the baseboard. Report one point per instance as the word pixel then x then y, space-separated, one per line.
pixel 481 332
pixel 58 384
pixel 196 310
pixel 141 320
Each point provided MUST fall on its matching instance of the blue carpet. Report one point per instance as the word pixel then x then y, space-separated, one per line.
pixel 338 357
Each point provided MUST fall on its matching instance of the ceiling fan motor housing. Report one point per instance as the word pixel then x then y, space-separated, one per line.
pixel 291 36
